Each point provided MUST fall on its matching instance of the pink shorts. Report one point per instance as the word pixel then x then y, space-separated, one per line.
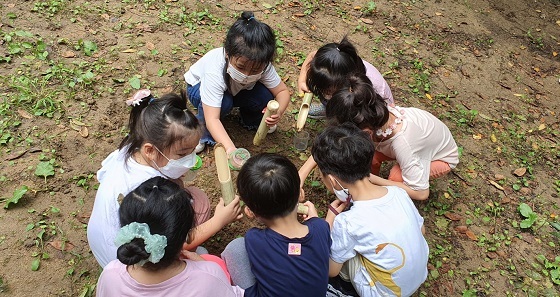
pixel 437 168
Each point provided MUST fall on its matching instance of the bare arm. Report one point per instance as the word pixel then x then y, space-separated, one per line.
pixel 302 79
pixel 339 206
pixel 216 128
pixel 414 194
pixel 282 95
pixel 223 215
pixel 334 268
pixel 305 170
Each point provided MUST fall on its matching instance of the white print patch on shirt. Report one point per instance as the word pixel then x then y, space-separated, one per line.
pixel 294 249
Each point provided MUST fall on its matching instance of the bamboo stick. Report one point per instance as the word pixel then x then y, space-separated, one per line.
pixel 303 111
pixel 224 175
pixel 271 109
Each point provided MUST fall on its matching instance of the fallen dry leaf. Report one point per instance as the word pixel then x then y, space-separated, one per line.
pixel 520 171
pixel 477 136
pixel 505 200
pixel 130 50
pixel 60 245
pixel 492 255
pixel 150 46
pixel 299 15
pixel 84 219
pixel 495 184
pixel 471 235
pixel 498 176
pixel 68 54
pixel 366 21
pixel 439 13
pixel 453 216
pixel 542 127
pixel 84 132
pixel 493 138
pixel 24 114
pixel 428 96
pixel 554 54
pixel 461 229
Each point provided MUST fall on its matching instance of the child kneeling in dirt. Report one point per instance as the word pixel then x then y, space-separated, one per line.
pixel 287 258
pixel 161 142
pixel 156 218
pixel 378 244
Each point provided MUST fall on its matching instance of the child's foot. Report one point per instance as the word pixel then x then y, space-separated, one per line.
pixel 272 129
pixel 199 147
pixel 316 111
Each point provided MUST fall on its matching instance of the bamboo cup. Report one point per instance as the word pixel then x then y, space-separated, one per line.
pixel 303 111
pixel 224 175
pixel 271 109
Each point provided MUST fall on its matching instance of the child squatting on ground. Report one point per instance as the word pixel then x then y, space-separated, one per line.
pixel 162 137
pixel 156 218
pixel 327 70
pixel 421 144
pixel 378 244
pixel 287 258
pixel 240 74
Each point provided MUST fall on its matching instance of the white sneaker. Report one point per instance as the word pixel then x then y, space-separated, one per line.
pixel 199 147
pixel 272 129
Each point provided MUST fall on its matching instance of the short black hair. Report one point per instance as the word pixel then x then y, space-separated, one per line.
pixel 269 185
pixel 167 209
pixel 344 151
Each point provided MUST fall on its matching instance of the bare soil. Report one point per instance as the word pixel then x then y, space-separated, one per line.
pixel 489 69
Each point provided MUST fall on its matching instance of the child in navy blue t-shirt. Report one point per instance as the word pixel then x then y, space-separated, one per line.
pixel 287 258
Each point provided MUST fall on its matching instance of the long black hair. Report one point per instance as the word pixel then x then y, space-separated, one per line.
pixel 167 209
pixel 160 122
pixel 358 103
pixel 250 38
pixel 332 65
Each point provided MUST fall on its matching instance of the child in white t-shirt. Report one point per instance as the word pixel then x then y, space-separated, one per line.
pixel 161 142
pixel 421 144
pixel 378 244
pixel 239 74
pixel 156 218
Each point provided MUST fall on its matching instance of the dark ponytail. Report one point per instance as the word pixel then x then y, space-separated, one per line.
pixel 166 208
pixel 358 103
pixel 332 65
pixel 160 122
pixel 250 38
pixel 132 252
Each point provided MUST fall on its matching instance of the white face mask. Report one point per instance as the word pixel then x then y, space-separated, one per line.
pixel 241 78
pixel 176 168
pixel 343 194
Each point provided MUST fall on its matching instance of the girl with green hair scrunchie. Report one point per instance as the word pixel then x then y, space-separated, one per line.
pixel 156 219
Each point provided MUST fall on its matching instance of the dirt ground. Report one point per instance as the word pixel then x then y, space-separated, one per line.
pixel 489 69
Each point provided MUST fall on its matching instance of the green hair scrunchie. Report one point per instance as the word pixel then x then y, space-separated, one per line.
pixel 154 243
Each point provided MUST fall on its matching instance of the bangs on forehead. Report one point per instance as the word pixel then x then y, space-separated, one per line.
pixel 178 132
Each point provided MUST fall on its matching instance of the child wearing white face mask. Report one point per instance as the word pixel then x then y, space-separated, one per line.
pixel 378 244
pixel 161 142
pixel 239 74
